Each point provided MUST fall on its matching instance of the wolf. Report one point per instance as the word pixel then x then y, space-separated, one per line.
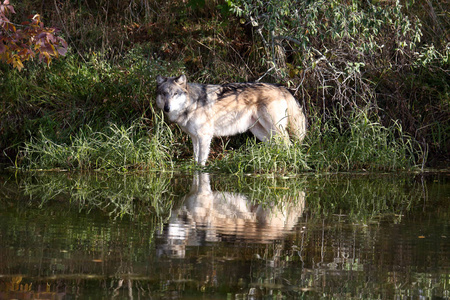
pixel 205 111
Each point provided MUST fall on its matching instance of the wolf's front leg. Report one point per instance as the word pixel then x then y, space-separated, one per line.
pixel 204 144
pixel 195 144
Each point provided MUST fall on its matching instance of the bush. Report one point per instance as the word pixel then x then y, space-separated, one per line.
pixel 339 55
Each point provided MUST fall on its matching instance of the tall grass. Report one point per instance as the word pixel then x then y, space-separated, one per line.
pixel 359 143
pixel 117 148
pixel 339 144
pixel 258 157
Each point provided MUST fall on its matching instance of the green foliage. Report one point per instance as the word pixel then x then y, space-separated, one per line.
pixel 72 94
pixel 359 28
pixel 371 75
pixel 331 44
pixel 340 55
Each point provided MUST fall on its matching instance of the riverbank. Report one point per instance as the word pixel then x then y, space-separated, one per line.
pixel 383 107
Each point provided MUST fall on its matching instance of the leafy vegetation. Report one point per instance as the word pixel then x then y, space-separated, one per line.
pixel 20 45
pixel 372 76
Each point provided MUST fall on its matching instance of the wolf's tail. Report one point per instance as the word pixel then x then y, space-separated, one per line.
pixel 296 118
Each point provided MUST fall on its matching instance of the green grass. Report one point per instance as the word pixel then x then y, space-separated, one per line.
pixel 257 157
pixel 358 143
pixel 115 148
pixel 95 114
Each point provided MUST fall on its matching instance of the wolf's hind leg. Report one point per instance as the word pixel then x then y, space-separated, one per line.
pixel 275 126
pixel 260 132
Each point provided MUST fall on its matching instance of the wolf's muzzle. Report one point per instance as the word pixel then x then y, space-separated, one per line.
pixel 166 107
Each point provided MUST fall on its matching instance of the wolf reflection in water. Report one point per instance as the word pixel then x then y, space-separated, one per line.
pixel 213 216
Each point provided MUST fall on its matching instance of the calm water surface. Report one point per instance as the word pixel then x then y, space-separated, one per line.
pixel 201 236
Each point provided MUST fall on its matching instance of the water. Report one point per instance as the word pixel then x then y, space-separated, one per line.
pixel 174 236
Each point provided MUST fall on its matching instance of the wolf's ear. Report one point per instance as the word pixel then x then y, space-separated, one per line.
pixel 181 80
pixel 160 79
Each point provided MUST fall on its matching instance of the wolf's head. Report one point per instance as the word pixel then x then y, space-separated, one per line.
pixel 171 94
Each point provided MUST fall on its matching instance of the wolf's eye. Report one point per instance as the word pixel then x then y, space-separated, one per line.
pixel 175 94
